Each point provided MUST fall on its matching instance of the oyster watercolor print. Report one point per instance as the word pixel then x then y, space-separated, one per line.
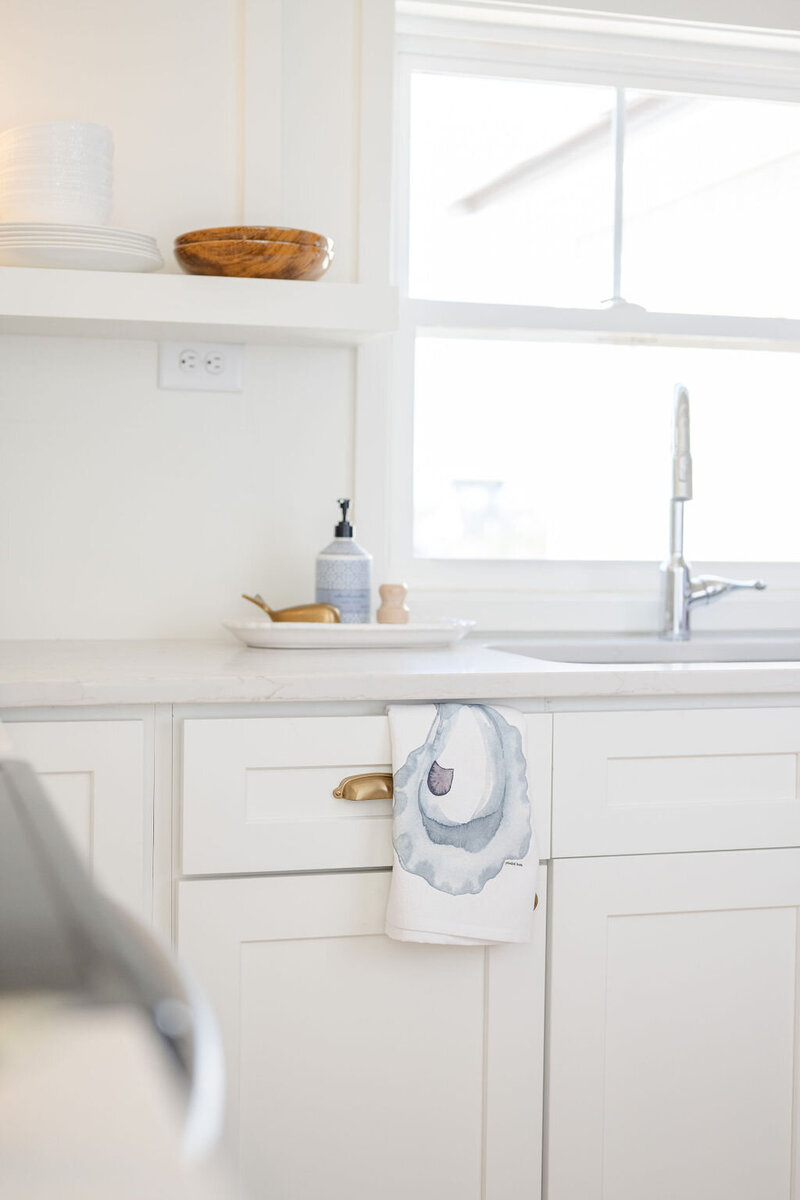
pixel 461 806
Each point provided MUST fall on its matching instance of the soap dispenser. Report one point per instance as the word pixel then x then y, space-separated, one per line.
pixel 344 573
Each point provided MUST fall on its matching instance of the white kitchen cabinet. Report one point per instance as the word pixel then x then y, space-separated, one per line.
pixel 95 775
pixel 362 1067
pixel 652 782
pixel 673 1056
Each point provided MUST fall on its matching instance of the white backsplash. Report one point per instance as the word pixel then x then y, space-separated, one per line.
pixel 128 511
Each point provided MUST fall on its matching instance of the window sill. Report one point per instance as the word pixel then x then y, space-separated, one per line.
pixel 602 612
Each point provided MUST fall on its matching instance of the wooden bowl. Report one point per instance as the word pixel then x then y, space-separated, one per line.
pixel 256 233
pixel 254 259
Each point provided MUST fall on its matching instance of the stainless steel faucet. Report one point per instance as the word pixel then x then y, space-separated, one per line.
pixel 681 591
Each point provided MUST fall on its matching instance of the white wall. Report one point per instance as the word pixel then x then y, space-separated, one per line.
pixel 162 74
pixel 127 511
pixel 133 512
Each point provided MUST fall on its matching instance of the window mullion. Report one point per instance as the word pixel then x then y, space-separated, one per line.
pixel 622 323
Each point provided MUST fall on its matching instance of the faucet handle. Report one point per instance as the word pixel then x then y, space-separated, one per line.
pixel 706 588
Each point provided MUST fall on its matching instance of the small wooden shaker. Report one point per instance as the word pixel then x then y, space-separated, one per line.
pixel 393 609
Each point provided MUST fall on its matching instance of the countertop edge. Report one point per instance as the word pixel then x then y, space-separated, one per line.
pixel 536 682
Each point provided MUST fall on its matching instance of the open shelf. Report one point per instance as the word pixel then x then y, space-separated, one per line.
pixel 170 307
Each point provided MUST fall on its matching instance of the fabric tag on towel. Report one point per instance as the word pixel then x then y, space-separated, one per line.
pixel 465 855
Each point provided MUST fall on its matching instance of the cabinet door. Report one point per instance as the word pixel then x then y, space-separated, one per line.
pixel 359 1067
pixel 673 1051
pixel 94 775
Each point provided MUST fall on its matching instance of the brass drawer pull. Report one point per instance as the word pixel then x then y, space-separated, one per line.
pixel 365 787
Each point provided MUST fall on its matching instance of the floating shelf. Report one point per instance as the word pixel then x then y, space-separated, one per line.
pixel 108 304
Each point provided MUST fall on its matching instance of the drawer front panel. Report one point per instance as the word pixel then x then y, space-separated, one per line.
pixel 641 782
pixel 257 793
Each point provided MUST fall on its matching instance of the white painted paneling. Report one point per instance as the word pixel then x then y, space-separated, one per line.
pixel 638 782
pixel 376 150
pixel 262 132
pixel 361 1067
pixel 95 776
pixel 673 1054
pixel 319 149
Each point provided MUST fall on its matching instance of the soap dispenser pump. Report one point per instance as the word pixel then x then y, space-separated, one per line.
pixel 344 573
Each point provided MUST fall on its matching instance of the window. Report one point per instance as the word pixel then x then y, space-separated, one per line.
pixel 578 231
pixel 560 450
pixel 510 190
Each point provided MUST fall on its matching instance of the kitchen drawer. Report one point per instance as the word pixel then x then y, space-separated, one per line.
pixel 257 793
pixel 642 782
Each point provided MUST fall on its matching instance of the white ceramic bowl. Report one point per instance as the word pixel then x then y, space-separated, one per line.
pixel 61 157
pixel 55 178
pixel 55 145
pixel 66 154
pixel 66 209
pixel 55 186
pixel 46 178
pixel 28 200
pixel 83 132
pixel 69 162
pixel 53 162
pixel 56 171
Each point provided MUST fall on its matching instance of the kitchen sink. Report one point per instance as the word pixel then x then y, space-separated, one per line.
pixel 648 648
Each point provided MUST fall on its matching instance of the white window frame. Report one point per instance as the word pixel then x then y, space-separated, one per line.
pixel 562 47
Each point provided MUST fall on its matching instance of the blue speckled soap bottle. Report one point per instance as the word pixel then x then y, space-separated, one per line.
pixel 344 574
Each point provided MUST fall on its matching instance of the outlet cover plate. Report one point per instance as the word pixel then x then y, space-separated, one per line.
pixel 200 366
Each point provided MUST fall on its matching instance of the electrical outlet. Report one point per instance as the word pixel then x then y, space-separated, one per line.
pixel 200 366
pixel 215 363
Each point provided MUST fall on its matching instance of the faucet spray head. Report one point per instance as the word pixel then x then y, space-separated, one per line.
pixel 681 453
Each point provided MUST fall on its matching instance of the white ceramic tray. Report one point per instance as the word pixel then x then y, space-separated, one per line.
pixel 312 635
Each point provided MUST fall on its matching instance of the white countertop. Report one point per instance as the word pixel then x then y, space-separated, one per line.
pixel 46 673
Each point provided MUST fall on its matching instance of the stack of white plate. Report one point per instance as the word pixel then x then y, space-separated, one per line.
pixel 79 247
pixel 56 182
pixel 56 171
